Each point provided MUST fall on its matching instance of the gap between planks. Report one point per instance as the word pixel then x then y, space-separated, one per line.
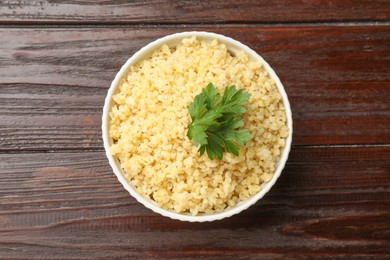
pixel 119 24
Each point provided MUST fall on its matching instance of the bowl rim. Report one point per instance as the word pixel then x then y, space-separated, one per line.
pixel 144 51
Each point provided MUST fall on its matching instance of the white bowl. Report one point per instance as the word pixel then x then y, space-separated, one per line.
pixel 172 40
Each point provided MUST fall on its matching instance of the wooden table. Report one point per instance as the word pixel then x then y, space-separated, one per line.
pixel 59 199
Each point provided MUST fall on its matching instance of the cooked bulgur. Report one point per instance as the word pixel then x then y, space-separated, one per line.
pixel 149 122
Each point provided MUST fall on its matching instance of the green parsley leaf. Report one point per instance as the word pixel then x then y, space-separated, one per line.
pixel 212 96
pixel 216 119
pixel 197 107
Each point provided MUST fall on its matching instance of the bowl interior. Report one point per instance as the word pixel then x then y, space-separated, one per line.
pixel 173 40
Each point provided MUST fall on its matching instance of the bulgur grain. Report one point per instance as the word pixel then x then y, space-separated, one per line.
pixel 149 122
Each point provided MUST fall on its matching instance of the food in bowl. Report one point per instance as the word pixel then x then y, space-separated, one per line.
pixel 149 119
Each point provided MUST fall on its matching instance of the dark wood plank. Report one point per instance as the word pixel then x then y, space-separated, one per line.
pixel 69 114
pixel 53 81
pixel 328 202
pixel 158 11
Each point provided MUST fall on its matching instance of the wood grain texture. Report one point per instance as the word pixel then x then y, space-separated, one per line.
pixel 59 198
pixel 157 11
pixel 328 202
pixel 53 81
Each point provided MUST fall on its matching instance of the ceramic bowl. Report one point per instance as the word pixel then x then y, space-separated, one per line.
pixel 172 40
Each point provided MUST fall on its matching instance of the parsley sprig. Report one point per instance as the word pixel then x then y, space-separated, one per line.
pixel 216 119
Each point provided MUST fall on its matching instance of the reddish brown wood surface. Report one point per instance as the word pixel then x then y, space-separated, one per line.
pixel 328 202
pixel 53 81
pixel 158 11
pixel 59 199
